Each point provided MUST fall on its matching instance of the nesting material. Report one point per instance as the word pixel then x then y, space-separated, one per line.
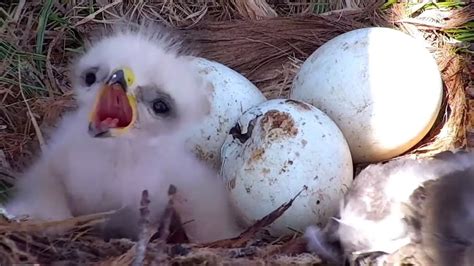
pixel 248 38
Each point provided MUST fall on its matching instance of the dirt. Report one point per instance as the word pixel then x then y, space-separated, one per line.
pixel 277 124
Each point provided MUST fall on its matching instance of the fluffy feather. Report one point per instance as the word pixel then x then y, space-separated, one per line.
pixel 447 219
pixel 384 210
pixel 79 174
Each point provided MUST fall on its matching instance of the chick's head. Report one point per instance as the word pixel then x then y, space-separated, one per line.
pixel 136 83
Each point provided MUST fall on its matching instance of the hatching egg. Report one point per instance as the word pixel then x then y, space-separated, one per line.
pixel 277 149
pixel 231 94
pixel 381 86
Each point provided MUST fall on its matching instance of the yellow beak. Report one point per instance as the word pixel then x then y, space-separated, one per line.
pixel 115 107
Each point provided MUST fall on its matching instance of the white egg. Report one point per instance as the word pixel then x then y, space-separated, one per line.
pixel 277 148
pixel 231 95
pixel 381 86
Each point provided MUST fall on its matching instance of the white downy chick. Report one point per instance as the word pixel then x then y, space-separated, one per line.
pixel 381 212
pixel 137 94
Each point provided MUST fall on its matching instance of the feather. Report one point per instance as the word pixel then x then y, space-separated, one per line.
pixel 427 201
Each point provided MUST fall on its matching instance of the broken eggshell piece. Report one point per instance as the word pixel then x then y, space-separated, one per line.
pixel 276 149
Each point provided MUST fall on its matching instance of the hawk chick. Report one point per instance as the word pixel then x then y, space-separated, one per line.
pixel 137 95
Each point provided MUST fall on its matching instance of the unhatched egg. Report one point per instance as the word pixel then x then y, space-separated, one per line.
pixel 381 86
pixel 231 95
pixel 276 149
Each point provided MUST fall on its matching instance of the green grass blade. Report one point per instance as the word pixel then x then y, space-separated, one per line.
pixel 42 23
pixel 25 86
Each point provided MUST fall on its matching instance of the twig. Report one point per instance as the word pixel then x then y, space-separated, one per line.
pixel 164 227
pixel 49 67
pixel 171 229
pixel 39 226
pixel 245 236
pixel 418 22
pixel 18 10
pixel 144 225
pixel 100 10
pixel 39 135
pixel 342 11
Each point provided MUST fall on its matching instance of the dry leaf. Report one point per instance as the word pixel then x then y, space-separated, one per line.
pixel 248 234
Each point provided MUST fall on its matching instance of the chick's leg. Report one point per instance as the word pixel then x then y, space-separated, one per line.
pixel 39 195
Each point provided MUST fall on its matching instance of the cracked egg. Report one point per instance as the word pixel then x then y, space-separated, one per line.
pixel 275 150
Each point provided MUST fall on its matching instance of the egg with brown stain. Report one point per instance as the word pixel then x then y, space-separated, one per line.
pixel 275 150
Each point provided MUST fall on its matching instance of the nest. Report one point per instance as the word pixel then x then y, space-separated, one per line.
pixel 38 42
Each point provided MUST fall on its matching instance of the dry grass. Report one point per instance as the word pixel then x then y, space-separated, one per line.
pixel 39 39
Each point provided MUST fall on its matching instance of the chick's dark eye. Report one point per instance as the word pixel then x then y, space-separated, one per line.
pixel 90 78
pixel 160 107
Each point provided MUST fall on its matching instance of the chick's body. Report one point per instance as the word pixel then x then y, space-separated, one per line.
pixel 425 202
pixel 82 174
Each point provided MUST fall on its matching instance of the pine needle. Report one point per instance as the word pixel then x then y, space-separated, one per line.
pixel 39 135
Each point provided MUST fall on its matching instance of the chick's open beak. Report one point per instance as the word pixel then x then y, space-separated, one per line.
pixel 114 111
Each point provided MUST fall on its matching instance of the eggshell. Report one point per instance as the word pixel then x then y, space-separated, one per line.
pixel 231 95
pixel 276 149
pixel 381 86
